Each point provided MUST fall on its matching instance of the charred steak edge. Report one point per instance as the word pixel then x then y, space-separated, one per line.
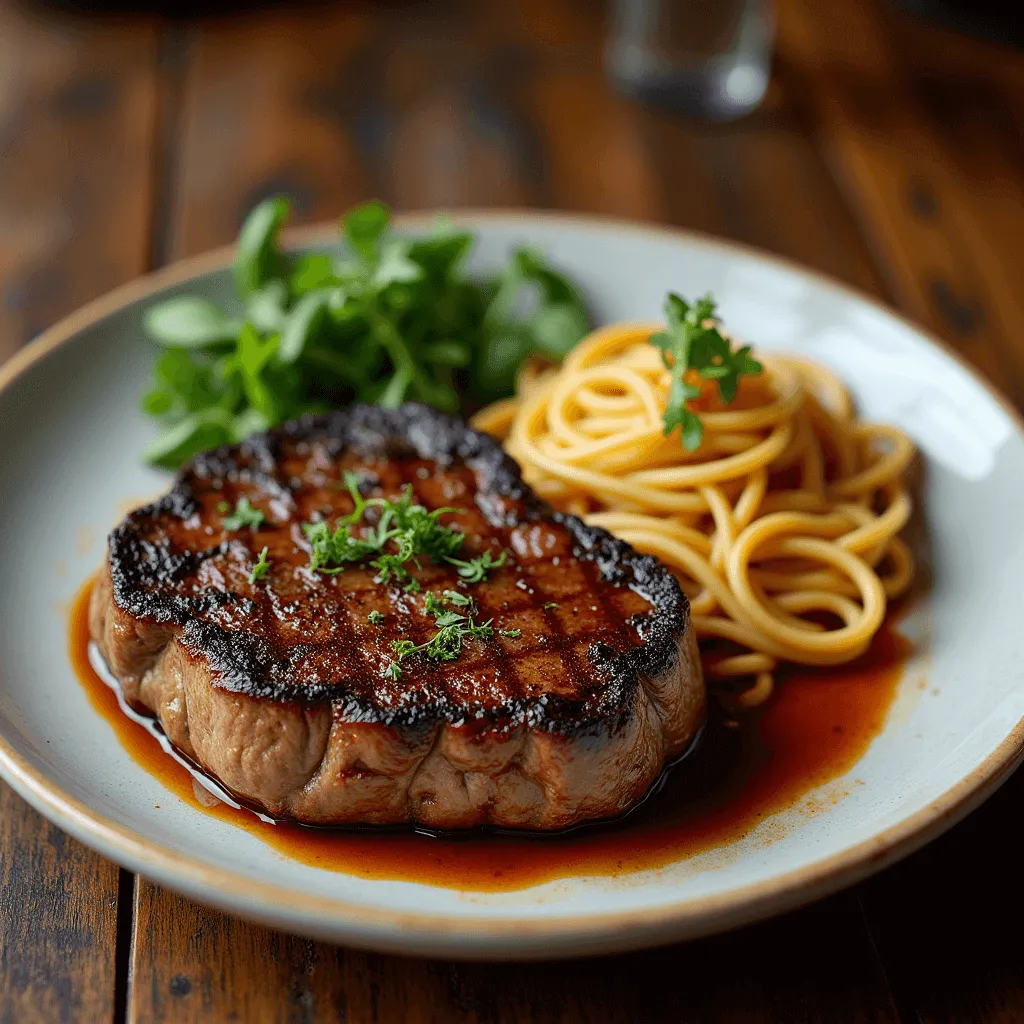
pixel 139 568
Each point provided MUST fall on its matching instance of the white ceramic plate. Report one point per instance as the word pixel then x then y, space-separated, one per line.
pixel 69 466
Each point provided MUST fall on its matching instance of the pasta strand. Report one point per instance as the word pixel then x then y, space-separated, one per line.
pixel 782 527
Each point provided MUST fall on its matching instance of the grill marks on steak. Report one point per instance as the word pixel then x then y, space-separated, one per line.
pixel 279 687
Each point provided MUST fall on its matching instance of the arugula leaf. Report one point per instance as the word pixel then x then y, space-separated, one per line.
pixel 693 342
pixel 446 353
pixel 302 324
pixel 555 329
pixel 187 379
pixel 394 265
pixel 442 252
pixel 533 309
pixel 189 321
pixel 364 226
pixel 258 258
pixel 157 402
pixel 246 423
pixel 254 353
pixel 310 272
pixel 266 309
pixel 391 319
pixel 193 433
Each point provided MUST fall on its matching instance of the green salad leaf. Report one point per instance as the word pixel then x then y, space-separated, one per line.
pixel 189 321
pixel 259 259
pixel 385 319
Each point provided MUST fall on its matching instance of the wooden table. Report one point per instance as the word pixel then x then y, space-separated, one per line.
pixel 888 154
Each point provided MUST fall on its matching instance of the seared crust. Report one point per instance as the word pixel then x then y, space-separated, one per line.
pixel 278 688
pixel 146 575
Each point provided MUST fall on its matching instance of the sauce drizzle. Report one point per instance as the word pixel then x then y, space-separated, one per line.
pixel 814 729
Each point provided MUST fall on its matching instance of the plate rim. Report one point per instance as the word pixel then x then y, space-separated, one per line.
pixel 492 935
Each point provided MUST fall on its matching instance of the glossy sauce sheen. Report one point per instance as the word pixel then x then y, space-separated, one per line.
pixel 816 728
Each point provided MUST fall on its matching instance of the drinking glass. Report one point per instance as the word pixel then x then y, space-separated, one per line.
pixel 707 58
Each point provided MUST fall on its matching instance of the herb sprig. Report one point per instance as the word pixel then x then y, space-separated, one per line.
pixel 693 342
pixel 405 532
pixel 386 320
pixel 244 515
pixel 261 568
pixel 453 627
pixel 475 570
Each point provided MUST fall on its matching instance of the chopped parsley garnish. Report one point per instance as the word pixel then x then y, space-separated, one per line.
pixel 375 617
pixel 433 605
pixel 452 628
pixel 328 550
pixel 550 605
pixel 475 570
pixel 404 533
pixel 390 567
pixel 261 568
pixel 243 516
pixel 693 342
pixel 446 643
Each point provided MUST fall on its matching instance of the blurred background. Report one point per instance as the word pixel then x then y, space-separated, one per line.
pixel 877 141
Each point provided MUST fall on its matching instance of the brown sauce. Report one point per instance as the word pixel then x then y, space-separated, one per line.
pixel 814 729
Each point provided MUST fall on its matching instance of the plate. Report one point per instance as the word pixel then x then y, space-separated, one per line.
pixel 69 468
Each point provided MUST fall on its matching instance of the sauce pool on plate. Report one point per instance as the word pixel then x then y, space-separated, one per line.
pixel 814 729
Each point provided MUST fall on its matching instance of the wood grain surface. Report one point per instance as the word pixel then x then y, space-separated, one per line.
pixel 932 175
pixel 888 154
pixel 77 99
pixel 199 965
pixel 78 110
pixel 58 922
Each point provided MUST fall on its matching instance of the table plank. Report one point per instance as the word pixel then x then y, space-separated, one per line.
pixel 816 965
pixel 514 110
pixel 497 107
pixel 760 181
pixel 58 921
pixel 77 118
pixel 943 215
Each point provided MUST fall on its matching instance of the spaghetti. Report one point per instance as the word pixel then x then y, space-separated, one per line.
pixel 782 526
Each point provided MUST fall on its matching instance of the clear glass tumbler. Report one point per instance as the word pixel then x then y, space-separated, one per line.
pixel 706 58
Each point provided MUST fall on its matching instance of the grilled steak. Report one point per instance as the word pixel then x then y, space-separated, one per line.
pixel 282 688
